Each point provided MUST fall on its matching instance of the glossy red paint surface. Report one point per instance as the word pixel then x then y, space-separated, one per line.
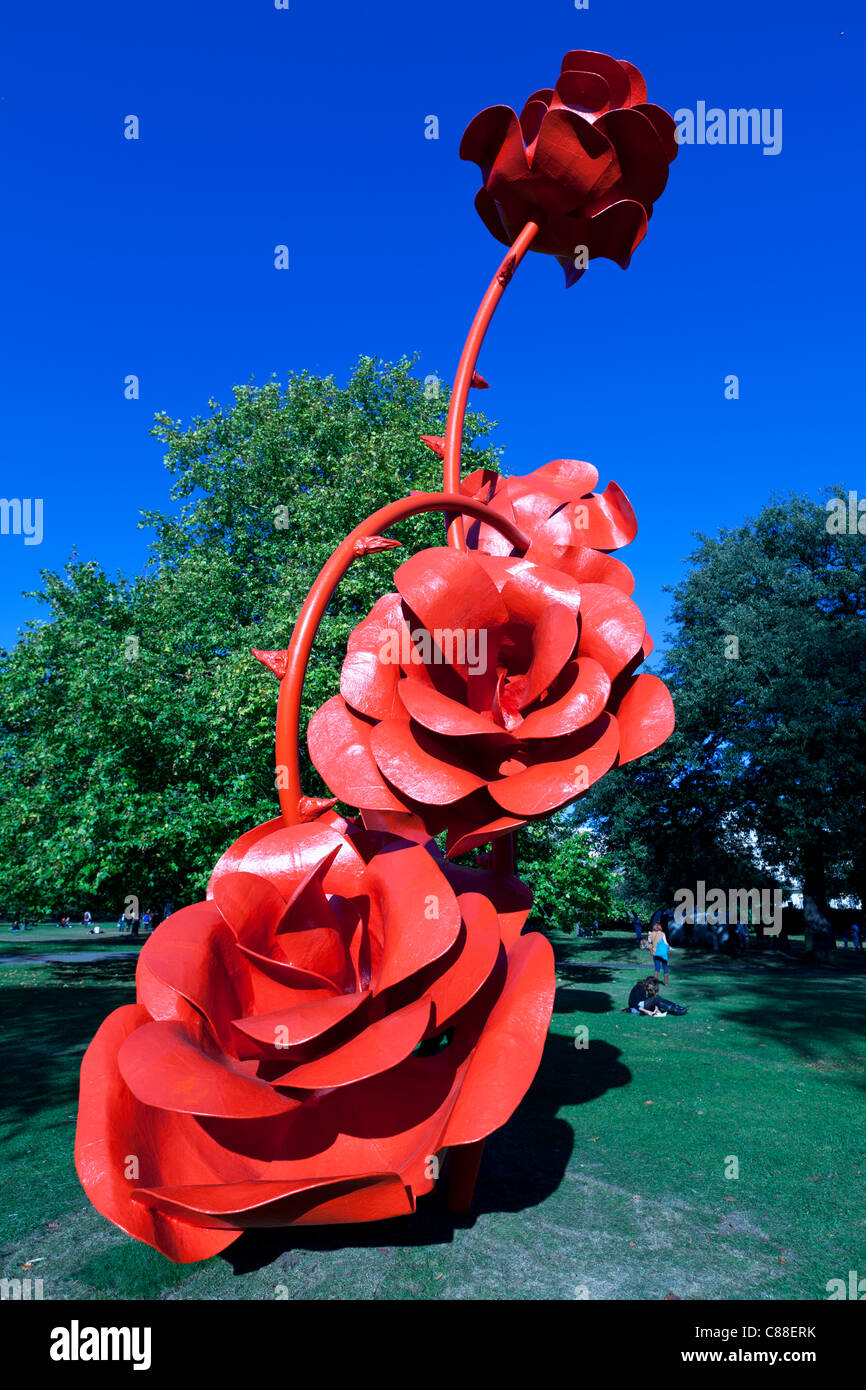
pixel 585 161
pixel 307 1041
pixel 490 688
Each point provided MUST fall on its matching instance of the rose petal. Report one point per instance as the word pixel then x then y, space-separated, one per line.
pixel 494 134
pixel 574 155
pixel 251 906
pixel 472 967
pixel 583 91
pixel 571 478
pixel 230 861
pixel 604 521
pixel 664 126
pixel 611 627
pixel 378 1048
pixel 449 590
pixel 286 1028
pixel 112 1125
pixel 530 589
pixel 163 1067
pixel 339 744
pixel 615 74
pixel 560 770
pixel 509 1050
pixel 195 954
pixel 583 701
pixel 270 1205
pixel 289 855
pixel 645 717
pixel 475 821
pixel 441 715
pixel 641 156
pixel 637 86
pixel 554 638
pixel 615 232
pixel 409 888
pixel 368 682
pixel 419 765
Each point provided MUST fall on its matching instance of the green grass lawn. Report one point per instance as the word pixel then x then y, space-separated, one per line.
pixel 609 1182
pixel 49 939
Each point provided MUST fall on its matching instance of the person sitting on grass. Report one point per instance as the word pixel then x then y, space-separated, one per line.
pixel 642 999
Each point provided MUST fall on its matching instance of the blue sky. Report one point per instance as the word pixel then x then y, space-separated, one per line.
pixel 306 127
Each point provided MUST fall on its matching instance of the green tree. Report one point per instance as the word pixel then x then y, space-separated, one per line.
pixel 570 878
pixel 137 729
pixel 764 778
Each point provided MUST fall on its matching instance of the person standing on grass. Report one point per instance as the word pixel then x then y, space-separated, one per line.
pixel 655 932
pixel 638 929
pixel 661 950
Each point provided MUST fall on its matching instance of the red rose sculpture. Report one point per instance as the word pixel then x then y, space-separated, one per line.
pixel 586 161
pixel 346 1004
pixel 342 1008
pixel 487 691
pixel 570 526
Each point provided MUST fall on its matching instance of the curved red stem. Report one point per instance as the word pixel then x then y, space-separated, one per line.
pixel 466 368
pixel 329 576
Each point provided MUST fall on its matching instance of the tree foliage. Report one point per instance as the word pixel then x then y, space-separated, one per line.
pixel 137 729
pixel 571 880
pixel 763 780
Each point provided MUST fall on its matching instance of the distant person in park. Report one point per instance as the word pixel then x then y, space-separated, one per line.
pixel 660 948
pixel 638 929
pixel 96 929
pixel 856 936
pixel 146 919
pixel 86 920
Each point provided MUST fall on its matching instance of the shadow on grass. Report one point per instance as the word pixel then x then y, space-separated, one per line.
pixel 818 1015
pixel 47 1028
pixel 15 949
pixel 524 1163
pixel 583 1001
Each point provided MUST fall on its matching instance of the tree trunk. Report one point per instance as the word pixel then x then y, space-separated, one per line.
pixel 819 935
pixel 820 941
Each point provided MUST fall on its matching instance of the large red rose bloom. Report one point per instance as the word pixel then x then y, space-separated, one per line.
pixel 487 691
pixel 305 1042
